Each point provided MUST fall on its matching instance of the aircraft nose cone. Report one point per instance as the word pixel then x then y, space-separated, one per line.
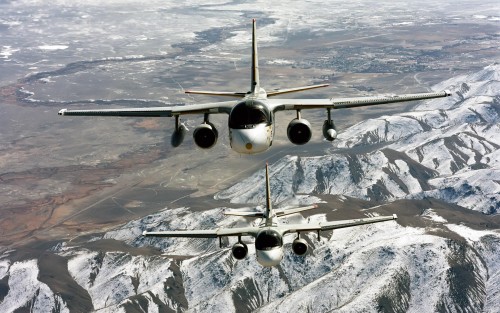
pixel 250 141
pixel 269 258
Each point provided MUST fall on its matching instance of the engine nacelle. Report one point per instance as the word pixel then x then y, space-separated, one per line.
pixel 299 246
pixel 205 136
pixel 178 135
pixel 299 131
pixel 329 130
pixel 239 250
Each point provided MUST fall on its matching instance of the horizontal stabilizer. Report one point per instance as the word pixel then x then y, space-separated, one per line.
pixel 217 93
pixel 246 214
pixel 182 233
pixel 296 89
pixel 295 210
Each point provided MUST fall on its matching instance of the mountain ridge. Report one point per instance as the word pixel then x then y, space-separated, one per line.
pixel 452 141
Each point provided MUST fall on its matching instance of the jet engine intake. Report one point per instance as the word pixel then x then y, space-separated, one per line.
pixel 299 246
pixel 299 131
pixel 239 250
pixel 178 135
pixel 329 130
pixel 205 136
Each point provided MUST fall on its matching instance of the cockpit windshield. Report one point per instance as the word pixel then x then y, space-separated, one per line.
pixel 268 239
pixel 247 114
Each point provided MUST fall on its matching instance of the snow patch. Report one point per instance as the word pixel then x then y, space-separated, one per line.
pixel 53 47
pixel 471 234
pixel 432 215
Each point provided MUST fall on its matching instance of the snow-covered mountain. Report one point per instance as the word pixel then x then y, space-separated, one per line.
pixel 380 267
pixel 24 290
pixel 444 148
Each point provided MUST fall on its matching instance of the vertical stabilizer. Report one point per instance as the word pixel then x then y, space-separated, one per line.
pixel 269 206
pixel 255 85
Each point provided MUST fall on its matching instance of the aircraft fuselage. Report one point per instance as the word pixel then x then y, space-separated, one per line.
pixel 269 258
pixel 269 246
pixel 251 125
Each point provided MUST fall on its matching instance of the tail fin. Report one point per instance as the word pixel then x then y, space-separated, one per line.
pixel 255 84
pixel 269 206
pixel 269 213
pixel 268 191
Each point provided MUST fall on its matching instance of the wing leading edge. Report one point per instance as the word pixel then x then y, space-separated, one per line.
pixel 335 224
pixel 343 103
pixel 252 231
pixel 276 105
pixel 210 233
pixel 205 108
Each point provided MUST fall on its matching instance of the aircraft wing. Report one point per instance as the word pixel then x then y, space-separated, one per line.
pixel 210 233
pixel 343 103
pixel 212 108
pixel 336 224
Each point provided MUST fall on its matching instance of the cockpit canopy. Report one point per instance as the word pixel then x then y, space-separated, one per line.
pixel 249 113
pixel 268 239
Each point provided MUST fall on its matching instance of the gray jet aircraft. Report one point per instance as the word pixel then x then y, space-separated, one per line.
pixel 252 115
pixel 269 234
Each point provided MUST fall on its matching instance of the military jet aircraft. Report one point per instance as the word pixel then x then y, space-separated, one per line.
pixel 269 234
pixel 252 114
